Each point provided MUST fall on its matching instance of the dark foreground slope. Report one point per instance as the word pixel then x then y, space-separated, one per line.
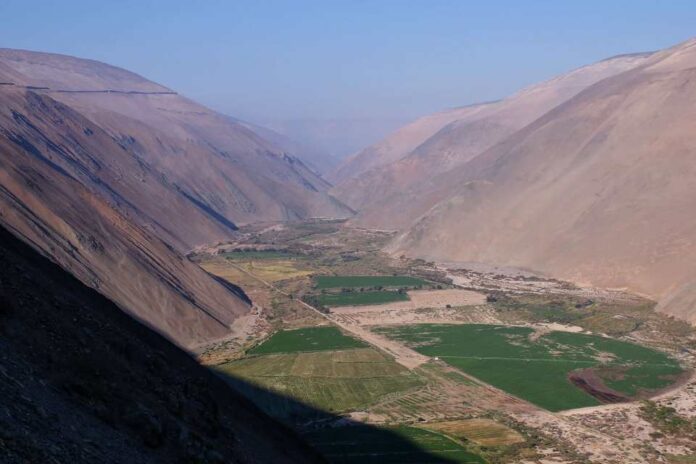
pixel 81 382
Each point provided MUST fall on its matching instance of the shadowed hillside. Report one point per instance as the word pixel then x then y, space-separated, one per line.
pixel 82 382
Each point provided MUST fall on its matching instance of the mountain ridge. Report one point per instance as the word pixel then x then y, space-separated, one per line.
pixel 117 186
pixel 594 191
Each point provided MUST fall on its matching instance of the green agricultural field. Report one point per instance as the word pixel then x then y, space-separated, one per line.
pixel 323 338
pixel 248 255
pixel 537 369
pixel 359 298
pixel 322 282
pixel 365 445
pixel 332 381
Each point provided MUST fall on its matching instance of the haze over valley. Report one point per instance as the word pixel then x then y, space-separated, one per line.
pixel 393 233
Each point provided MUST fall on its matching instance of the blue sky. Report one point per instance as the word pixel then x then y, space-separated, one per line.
pixel 344 59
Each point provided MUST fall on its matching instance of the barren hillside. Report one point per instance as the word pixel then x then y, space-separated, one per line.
pixel 403 181
pixel 114 177
pixel 599 190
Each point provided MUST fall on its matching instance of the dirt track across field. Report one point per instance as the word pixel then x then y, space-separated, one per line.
pixel 403 355
pixel 596 432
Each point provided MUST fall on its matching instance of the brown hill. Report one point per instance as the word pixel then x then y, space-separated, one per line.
pixel 398 144
pixel 219 166
pixel 598 190
pixel 404 184
pixel 113 177
pixel 56 178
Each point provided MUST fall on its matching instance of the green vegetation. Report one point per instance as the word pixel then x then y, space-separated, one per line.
pixel 667 420
pixel 684 459
pixel 601 316
pixel 359 298
pixel 401 444
pixel 333 381
pixel 537 369
pixel 484 432
pixel 246 255
pixel 323 338
pixel 322 282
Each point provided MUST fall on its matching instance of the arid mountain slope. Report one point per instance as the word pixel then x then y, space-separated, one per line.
pixel 217 165
pixel 72 191
pixel 398 144
pixel 114 177
pixel 314 157
pixel 601 189
pixel 396 193
pixel 81 382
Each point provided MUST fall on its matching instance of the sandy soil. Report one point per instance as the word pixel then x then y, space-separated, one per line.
pixel 402 354
pixel 421 299
pixel 511 280
pixel 471 315
pixel 624 420
pixel 425 307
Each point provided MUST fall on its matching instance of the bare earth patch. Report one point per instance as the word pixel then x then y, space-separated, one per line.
pixel 425 307
pixel 422 299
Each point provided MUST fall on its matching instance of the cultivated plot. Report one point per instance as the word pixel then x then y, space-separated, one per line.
pixel 360 298
pixel 365 445
pixel 324 338
pixel 556 370
pixel 252 255
pixel 484 432
pixel 333 381
pixel 325 282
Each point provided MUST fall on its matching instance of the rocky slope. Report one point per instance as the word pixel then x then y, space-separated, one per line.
pixel 81 382
pixel 114 177
pixel 599 190
pixel 397 180
pixel 216 165
pixel 61 191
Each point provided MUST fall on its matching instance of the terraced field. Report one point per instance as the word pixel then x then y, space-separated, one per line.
pixel 484 432
pixel 326 282
pixel 556 371
pixel 251 255
pixel 323 368
pixel 364 445
pixel 270 270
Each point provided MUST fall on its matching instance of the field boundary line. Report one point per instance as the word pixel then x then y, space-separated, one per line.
pixel 416 358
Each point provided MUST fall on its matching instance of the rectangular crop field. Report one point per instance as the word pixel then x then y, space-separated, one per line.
pixel 362 444
pixel 324 338
pixel 268 270
pixel 539 369
pixel 367 281
pixel 360 298
pixel 484 432
pixel 250 255
pixel 333 381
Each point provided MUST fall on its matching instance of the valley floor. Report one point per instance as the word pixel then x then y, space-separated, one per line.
pixel 619 376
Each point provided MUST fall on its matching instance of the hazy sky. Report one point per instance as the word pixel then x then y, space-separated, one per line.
pixel 329 59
